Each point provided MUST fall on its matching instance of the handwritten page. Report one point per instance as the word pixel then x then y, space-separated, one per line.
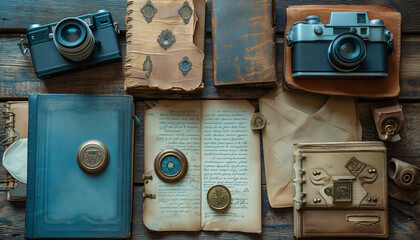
pixel 221 148
pixel 173 124
pixel 230 156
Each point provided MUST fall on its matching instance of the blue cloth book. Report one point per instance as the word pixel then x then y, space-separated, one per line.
pixel 79 166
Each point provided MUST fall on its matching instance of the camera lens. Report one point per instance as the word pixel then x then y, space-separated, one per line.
pixel 71 33
pixel 74 39
pixel 346 52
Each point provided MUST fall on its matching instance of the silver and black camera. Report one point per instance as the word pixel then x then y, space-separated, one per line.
pixel 350 45
pixel 72 43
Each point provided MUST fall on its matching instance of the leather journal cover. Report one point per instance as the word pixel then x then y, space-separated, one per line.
pixel 165 45
pixel 373 87
pixel 16 124
pixel 243 43
pixel 340 190
pixel 80 166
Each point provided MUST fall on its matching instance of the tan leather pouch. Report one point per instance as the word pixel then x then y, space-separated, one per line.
pixel 165 51
pixel 373 87
pixel 340 190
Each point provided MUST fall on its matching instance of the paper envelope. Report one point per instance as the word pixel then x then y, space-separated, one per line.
pixel 295 117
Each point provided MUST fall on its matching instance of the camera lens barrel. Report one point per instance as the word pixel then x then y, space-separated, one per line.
pixel 74 39
pixel 346 52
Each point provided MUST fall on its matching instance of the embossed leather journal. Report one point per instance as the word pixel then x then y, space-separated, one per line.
pixel 165 45
pixel 80 166
pixel 340 190
pixel 202 168
pixel 243 43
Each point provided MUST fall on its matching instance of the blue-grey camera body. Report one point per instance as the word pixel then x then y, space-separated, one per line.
pixel 73 43
pixel 349 46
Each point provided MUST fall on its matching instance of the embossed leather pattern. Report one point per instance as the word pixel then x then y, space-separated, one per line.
pixel 360 87
pixel 340 190
pixel 161 34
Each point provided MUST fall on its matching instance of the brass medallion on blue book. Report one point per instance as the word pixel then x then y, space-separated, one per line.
pixel 80 166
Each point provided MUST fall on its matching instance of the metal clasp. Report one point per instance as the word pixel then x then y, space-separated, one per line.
pixel 289 40
pixel 23 44
pixel 390 42
pixel 116 28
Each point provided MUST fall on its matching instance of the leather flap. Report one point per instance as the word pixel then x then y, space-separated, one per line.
pixel 357 87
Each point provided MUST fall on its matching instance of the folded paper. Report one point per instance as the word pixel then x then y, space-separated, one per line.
pixel 294 117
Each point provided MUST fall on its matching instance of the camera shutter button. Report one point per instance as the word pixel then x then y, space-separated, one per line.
pixel 318 30
pixel 313 19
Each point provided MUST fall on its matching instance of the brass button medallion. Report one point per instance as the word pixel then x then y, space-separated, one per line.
pixel 93 156
pixel 258 121
pixel 171 165
pixel 218 197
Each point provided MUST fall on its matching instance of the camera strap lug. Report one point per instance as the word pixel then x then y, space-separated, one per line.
pixel 289 40
pixel 116 28
pixel 390 42
pixel 23 44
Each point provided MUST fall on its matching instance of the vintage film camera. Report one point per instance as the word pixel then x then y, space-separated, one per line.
pixel 72 43
pixel 350 45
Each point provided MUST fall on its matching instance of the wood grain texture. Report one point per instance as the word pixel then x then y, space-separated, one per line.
pixel 409 10
pixel 19 15
pixel 17 78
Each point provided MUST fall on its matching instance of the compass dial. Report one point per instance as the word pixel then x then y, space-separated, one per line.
pixel 171 165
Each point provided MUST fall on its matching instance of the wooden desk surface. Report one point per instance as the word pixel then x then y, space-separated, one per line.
pixel 17 80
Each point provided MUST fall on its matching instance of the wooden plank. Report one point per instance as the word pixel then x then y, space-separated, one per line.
pixel 277 223
pixel 17 16
pixel 17 78
pixel 409 14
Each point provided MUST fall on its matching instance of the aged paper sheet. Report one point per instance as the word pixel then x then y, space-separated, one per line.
pixel 230 156
pixel 221 149
pixel 173 124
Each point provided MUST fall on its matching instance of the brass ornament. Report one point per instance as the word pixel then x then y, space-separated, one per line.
pixel 186 12
pixel 92 156
pixel 258 121
pixel 390 127
pixel 355 166
pixel 342 190
pixel 148 66
pixel 185 66
pixel 166 39
pixel 171 165
pixel 219 197
pixel 148 11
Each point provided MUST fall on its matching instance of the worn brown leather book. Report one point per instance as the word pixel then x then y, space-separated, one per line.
pixel 340 190
pixel 243 43
pixel 16 124
pixel 165 45
pixel 368 87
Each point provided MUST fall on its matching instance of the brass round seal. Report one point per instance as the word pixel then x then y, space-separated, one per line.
pixel 93 156
pixel 218 197
pixel 171 165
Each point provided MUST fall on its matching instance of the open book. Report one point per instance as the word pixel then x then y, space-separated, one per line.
pixel 221 149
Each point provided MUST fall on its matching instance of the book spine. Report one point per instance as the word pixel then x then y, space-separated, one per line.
pixel 32 136
pixel 298 181
pixel 9 119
